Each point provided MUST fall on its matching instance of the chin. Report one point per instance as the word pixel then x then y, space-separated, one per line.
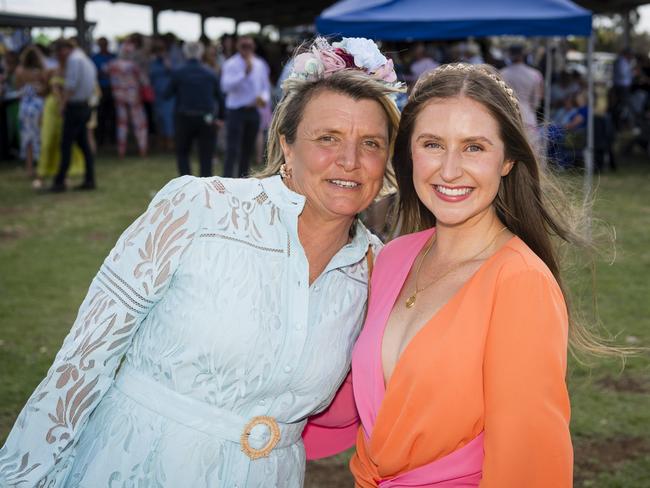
pixel 344 213
pixel 458 217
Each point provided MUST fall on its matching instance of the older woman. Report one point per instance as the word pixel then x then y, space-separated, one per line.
pixel 225 315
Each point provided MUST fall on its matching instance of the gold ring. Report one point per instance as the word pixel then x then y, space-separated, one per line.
pixel 266 450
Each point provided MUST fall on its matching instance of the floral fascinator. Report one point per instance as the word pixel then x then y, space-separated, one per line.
pixel 354 53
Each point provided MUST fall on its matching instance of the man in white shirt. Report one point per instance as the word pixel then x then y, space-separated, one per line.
pixel 80 79
pixel 245 82
pixel 527 83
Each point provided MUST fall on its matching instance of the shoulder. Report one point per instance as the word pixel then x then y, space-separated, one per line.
pixel 375 243
pixel 398 251
pixel 405 242
pixel 208 72
pixel 241 188
pixel 517 264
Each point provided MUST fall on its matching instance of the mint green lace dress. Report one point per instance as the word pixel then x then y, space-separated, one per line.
pixel 200 318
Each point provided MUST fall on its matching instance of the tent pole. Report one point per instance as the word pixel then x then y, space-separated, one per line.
pixel 589 150
pixel 547 81
pixel 547 96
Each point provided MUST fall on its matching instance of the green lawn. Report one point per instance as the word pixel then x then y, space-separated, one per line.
pixel 51 246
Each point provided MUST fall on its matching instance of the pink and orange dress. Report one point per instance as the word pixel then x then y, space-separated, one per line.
pixel 477 398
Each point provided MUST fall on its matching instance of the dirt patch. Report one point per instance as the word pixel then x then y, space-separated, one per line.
pixel 11 211
pixel 12 232
pixel 328 473
pixel 625 384
pixel 97 236
pixel 594 456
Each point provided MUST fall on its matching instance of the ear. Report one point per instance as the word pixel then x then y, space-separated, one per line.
pixel 507 166
pixel 286 150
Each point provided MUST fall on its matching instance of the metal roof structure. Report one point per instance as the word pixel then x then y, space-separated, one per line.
pixel 282 13
pixel 610 6
pixel 21 20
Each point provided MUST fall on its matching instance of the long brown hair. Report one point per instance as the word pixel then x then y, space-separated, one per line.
pixel 529 200
pixel 31 58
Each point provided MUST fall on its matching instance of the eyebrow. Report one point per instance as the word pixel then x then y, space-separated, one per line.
pixel 465 140
pixel 337 131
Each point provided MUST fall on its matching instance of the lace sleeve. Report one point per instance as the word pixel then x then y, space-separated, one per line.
pixel 131 280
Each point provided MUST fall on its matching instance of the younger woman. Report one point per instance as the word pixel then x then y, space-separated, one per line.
pixel 459 373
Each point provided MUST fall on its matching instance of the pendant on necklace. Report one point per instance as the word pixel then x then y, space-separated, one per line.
pixel 410 301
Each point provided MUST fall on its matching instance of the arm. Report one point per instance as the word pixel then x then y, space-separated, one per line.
pixel 538 93
pixel 527 440
pixel 72 69
pixel 335 429
pixel 172 87
pixel 576 121
pixel 19 77
pixel 232 74
pixel 265 95
pixel 141 75
pixel 130 282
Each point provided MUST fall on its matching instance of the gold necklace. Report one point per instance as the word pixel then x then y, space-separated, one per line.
pixel 410 301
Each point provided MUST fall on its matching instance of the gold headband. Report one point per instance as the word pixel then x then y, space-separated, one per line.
pixel 471 68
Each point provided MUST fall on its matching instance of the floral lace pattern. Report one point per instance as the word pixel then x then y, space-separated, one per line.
pixel 206 293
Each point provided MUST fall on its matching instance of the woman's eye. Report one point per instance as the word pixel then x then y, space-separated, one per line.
pixel 326 138
pixel 474 148
pixel 432 145
pixel 372 144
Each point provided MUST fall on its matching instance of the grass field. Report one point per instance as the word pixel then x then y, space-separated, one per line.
pixel 51 246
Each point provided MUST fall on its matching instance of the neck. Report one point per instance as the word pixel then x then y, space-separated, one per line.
pixel 313 227
pixel 457 243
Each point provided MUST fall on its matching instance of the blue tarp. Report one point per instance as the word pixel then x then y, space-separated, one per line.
pixel 453 19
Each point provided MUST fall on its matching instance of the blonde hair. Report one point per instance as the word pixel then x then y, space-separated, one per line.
pixel 299 92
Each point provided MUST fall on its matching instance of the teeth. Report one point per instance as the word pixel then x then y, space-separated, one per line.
pixel 344 183
pixel 453 192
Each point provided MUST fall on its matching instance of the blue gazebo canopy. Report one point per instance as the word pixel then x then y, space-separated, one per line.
pixel 453 19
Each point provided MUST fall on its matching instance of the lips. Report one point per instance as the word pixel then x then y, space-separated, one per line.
pixel 344 183
pixel 452 193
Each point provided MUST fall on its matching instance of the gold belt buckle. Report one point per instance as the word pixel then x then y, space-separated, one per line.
pixel 266 450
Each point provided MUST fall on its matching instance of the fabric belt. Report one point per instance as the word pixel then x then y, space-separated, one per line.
pixel 198 415
pixel 461 468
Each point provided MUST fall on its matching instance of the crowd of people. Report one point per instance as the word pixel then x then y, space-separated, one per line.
pixel 220 96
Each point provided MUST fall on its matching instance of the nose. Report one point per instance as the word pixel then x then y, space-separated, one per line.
pixel 451 168
pixel 348 157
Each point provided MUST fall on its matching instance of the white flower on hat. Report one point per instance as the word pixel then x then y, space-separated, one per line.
pixel 365 52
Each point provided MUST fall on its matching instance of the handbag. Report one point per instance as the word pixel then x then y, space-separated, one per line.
pixel 147 94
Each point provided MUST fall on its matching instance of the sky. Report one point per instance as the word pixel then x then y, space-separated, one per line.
pixel 116 19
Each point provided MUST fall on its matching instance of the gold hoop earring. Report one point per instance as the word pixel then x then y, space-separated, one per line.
pixel 285 173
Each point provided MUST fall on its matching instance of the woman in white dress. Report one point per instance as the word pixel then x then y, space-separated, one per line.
pixel 225 315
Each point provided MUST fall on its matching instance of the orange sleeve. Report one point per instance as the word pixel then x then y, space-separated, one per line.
pixel 527 440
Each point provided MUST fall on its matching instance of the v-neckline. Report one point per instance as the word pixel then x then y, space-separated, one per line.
pixel 386 384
